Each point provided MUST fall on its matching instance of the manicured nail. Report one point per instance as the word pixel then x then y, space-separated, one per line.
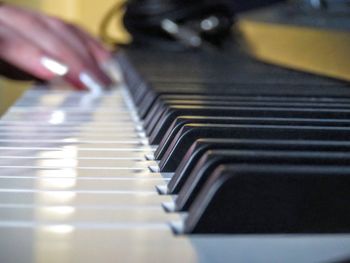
pixel 113 70
pixel 54 66
pixel 91 83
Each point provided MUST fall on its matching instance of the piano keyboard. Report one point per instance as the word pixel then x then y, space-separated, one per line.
pixel 202 168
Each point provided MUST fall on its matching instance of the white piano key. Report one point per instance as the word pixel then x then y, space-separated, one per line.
pixel 61 134
pixel 70 136
pixel 119 177
pixel 67 99
pixel 70 122
pixel 125 170
pixel 131 172
pixel 71 198
pixel 89 191
pixel 74 184
pixel 87 127
pixel 155 243
pixel 107 109
pixel 69 215
pixel 41 140
pixel 20 114
pixel 74 163
pixel 20 152
pixel 74 111
pixel 84 121
pixel 31 144
pixel 68 118
pixel 70 105
pixel 71 101
pixel 64 132
pixel 19 171
pixel 62 155
pixel 56 91
pixel 143 149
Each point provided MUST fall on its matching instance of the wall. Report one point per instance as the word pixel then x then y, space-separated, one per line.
pixel 87 13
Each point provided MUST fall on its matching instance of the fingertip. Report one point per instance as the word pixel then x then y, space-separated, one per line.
pixel 113 70
pixel 75 82
pixel 105 79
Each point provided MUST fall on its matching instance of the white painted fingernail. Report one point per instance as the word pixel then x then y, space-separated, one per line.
pixel 54 66
pixel 113 70
pixel 91 83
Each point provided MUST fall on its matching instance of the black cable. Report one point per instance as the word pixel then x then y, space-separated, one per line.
pixel 173 24
pixel 179 24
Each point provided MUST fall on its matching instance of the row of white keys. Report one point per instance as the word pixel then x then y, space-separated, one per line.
pixel 53 144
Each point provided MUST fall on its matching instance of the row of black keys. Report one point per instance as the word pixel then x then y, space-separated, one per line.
pixel 251 164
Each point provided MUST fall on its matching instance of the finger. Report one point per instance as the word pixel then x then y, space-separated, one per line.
pixel 10 71
pixel 33 28
pixel 99 52
pixel 66 36
pixel 73 38
pixel 19 51
pixel 102 55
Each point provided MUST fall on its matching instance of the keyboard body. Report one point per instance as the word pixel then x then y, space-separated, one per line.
pixel 76 186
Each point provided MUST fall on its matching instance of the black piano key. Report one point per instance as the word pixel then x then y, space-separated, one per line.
pixel 273 199
pixel 144 109
pixel 256 97
pixel 191 132
pixel 227 66
pixel 261 89
pixel 145 97
pixel 174 111
pixel 199 147
pixel 212 159
pixel 158 110
pixel 161 106
pixel 318 101
pixel 249 85
pixel 150 93
pixel 180 121
pixel 154 115
pixel 215 100
pixel 231 77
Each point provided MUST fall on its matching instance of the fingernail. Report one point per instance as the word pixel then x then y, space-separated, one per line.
pixel 91 83
pixel 113 70
pixel 54 66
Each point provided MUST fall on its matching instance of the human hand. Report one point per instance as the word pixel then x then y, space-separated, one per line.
pixel 47 47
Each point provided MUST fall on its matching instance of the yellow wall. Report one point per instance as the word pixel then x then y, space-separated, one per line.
pixel 9 92
pixel 86 13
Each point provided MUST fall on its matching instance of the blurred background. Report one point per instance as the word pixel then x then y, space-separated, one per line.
pixel 307 35
pixel 86 13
